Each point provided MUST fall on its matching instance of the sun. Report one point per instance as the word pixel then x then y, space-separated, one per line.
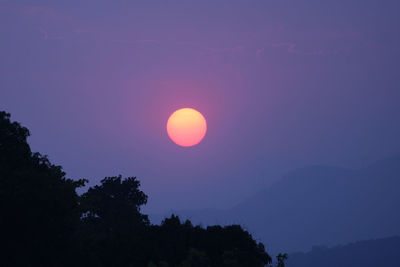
pixel 186 127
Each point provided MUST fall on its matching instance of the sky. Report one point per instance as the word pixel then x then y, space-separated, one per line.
pixel 282 85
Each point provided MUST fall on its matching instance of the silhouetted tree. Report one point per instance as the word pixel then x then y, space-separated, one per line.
pixel 281 258
pixel 113 229
pixel 179 243
pixel 115 203
pixel 39 210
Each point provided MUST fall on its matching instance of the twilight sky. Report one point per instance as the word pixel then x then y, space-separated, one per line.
pixel 282 84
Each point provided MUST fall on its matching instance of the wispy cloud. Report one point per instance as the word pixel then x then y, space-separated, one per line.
pixel 322 43
pixel 81 31
pixel 292 48
pixel 259 52
pixel 39 10
pixel 144 41
pixel 225 53
pixel 44 32
pixel 46 35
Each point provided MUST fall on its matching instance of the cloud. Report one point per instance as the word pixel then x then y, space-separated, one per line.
pixel 37 19
pixel 144 41
pixel 39 11
pixel 259 52
pixel 292 48
pixel 226 53
pixel 326 42
pixel 44 32
pixel 46 35
pixel 80 31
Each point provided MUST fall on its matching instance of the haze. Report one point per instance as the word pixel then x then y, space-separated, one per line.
pixel 283 84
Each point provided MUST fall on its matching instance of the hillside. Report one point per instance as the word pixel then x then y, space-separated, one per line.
pixel 370 253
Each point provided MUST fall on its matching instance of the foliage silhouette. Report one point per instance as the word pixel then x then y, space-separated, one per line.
pixel 182 244
pixel 281 258
pixel 113 231
pixel 44 222
pixel 39 206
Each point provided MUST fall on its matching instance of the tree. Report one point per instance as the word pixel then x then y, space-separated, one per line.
pixel 38 204
pixel 281 258
pixel 113 229
pixel 181 243
pixel 116 201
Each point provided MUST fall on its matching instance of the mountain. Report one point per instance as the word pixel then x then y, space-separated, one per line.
pixel 325 206
pixel 319 205
pixel 371 253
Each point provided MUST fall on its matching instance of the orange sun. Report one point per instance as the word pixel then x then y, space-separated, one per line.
pixel 186 127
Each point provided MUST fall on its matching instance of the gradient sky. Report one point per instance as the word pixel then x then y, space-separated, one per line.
pixel 282 84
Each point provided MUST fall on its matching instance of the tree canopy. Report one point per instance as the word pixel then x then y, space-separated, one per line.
pixel 39 205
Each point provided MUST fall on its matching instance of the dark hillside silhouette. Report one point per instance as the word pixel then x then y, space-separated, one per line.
pixel 326 206
pixel 45 223
pixel 370 253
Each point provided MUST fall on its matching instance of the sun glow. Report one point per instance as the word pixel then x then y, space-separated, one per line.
pixel 186 127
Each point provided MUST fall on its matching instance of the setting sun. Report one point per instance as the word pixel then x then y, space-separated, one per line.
pixel 186 127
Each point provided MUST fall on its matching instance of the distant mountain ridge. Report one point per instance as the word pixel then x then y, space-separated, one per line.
pixel 369 253
pixel 319 205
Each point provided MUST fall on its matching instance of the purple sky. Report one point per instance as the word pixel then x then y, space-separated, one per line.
pixel 282 84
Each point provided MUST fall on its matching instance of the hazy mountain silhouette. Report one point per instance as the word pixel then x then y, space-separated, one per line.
pixel 320 205
pixel 370 253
